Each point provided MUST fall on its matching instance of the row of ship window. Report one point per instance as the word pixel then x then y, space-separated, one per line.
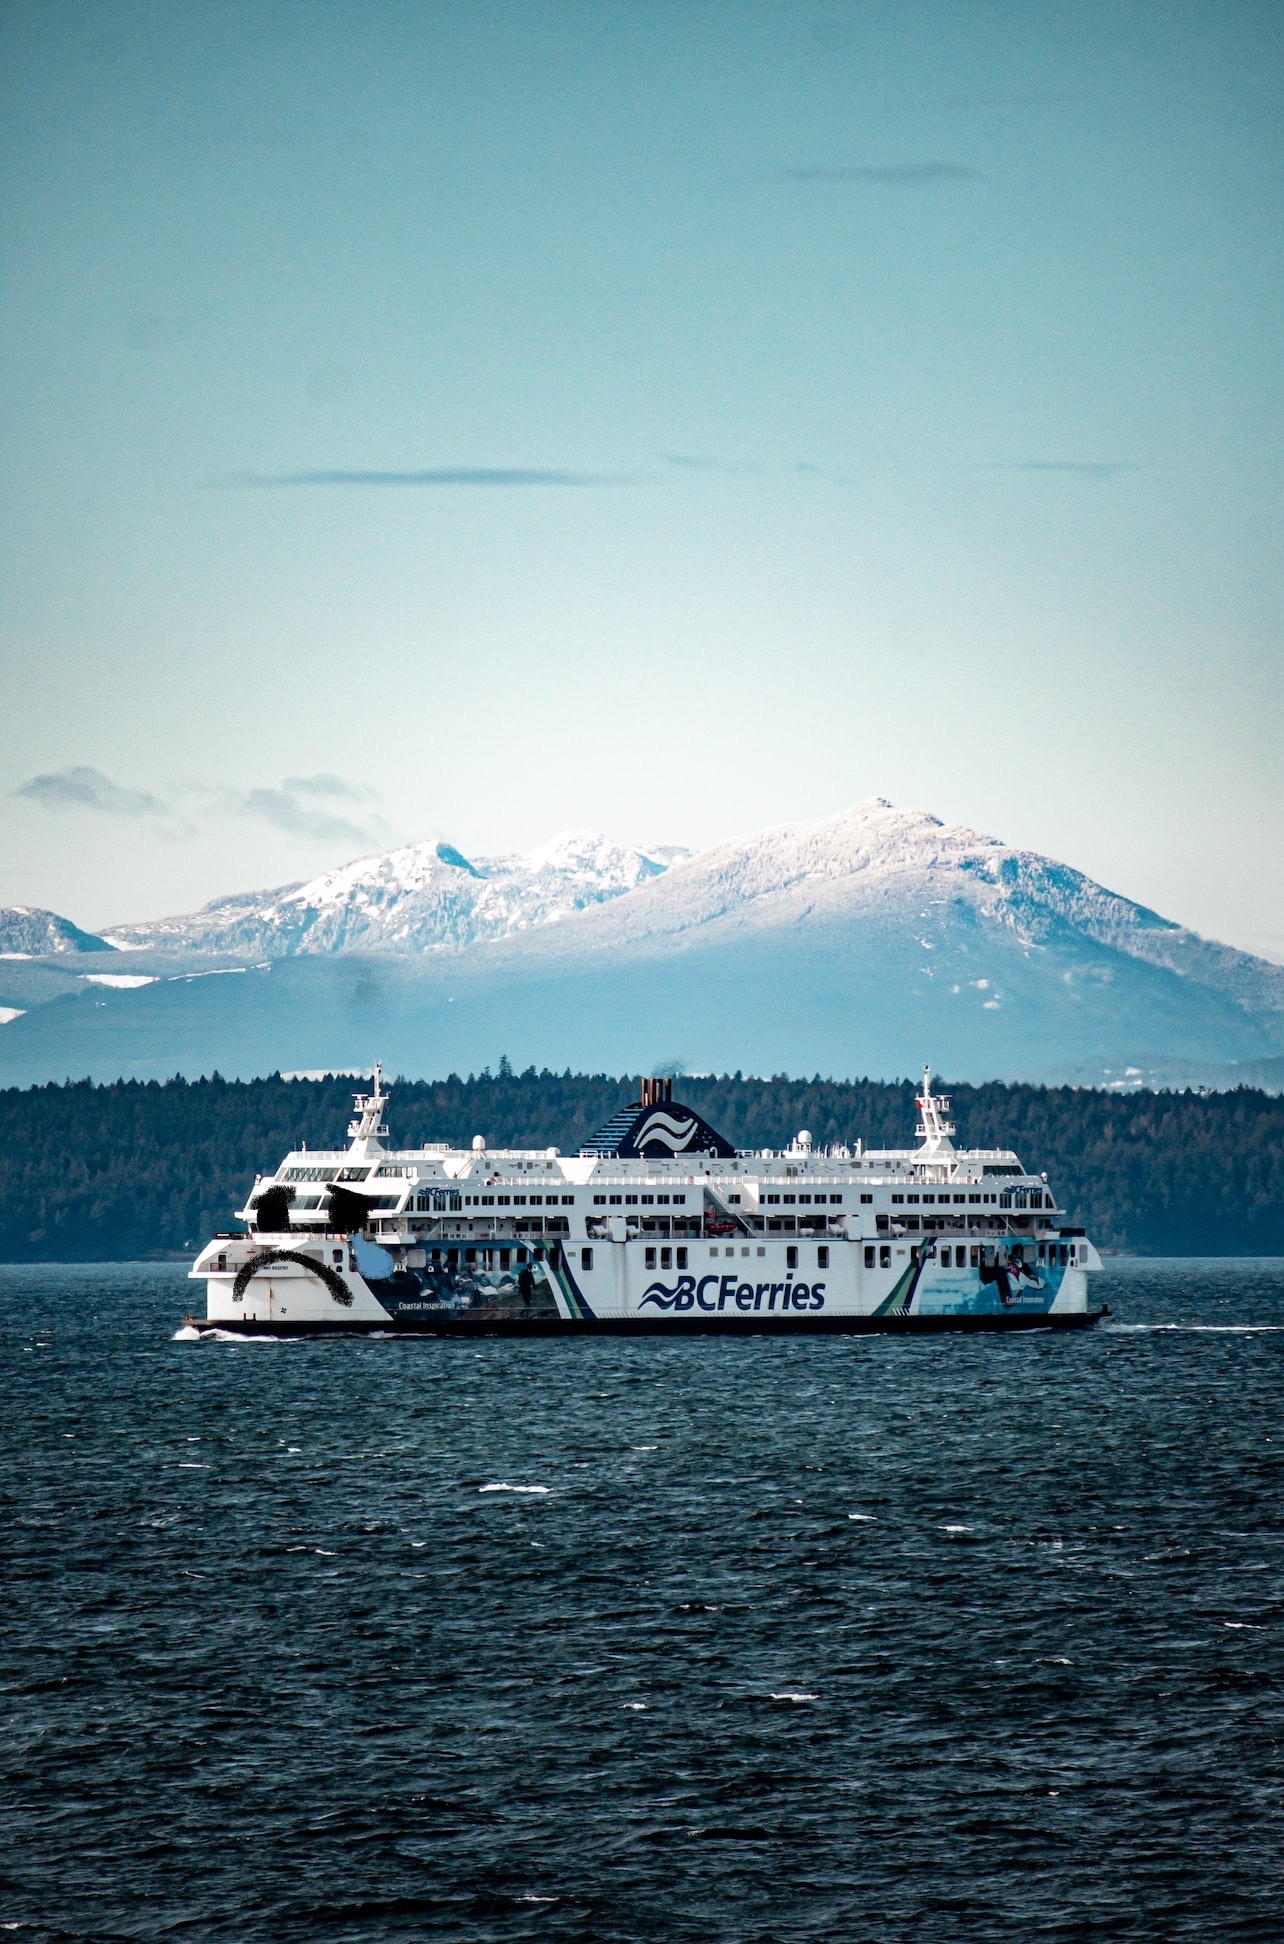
pixel 677 1258
pixel 517 1201
pixel 602 1201
pixel 1033 1198
pixel 960 1255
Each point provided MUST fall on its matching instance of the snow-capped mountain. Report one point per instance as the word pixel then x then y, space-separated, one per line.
pixel 419 898
pixel 863 943
pixel 904 871
pixel 28 932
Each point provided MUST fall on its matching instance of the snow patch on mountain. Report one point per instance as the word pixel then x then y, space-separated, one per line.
pixel 418 898
pixel 26 931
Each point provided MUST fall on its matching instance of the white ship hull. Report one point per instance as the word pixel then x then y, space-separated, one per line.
pixel 726 1290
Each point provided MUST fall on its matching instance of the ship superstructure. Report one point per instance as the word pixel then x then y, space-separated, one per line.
pixel 658 1223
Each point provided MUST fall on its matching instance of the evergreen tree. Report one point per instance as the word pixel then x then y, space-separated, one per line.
pixel 136 1169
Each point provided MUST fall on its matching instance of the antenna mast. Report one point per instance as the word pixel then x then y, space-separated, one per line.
pixel 367 1128
pixel 933 1130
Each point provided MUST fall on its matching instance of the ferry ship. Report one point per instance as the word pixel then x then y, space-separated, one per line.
pixel 657 1226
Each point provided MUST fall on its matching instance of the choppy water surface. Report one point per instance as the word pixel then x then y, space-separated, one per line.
pixel 973 1638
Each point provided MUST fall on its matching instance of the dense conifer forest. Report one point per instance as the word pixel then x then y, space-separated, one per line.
pixel 144 1169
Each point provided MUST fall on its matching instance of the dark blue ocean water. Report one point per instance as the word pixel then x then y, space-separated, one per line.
pixel 875 1639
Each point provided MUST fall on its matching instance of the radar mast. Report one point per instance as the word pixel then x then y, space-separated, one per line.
pixel 367 1130
pixel 933 1130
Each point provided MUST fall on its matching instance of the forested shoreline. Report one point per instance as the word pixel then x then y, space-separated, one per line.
pixel 146 1169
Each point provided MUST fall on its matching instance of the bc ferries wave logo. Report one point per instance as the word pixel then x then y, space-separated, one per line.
pixel 665 1130
pixel 713 1293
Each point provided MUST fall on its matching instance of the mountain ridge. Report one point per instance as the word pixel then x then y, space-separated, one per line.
pixel 417 897
pixel 855 944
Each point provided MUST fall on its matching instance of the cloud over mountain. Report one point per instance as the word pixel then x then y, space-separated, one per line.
pixel 83 787
pixel 888 175
pixel 502 476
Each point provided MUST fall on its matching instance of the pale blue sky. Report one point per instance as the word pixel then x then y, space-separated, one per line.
pixel 824 400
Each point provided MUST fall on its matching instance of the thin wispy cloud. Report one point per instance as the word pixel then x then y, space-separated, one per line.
pixel 297 807
pixel 83 787
pixel 326 784
pixel 694 462
pixel 500 476
pixel 301 806
pixel 890 175
pixel 1087 468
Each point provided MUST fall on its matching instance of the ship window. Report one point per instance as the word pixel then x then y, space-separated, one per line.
pixel 680 1198
pixel 974 1198
pixel 648 1201
pixel 632 1199
pixel 519 1201
pixel 599 1201
pixel 586 1258
pixel 822 1258
pixel 869 1255
pixel 568 1201
pixel 791 1258
pixel 505 1200
pixel 650 1258
pixel 960 1198
pixel 682 1258
pixel 946 1259
pixel 664 1198
pixel 771 1198
pixel 616 1200
pixel 884 1256
pixel 537 1201
pixel 790 1198
pixel 666 1258
pixel 736 1198
pixel 835 1198
pixel 926 1198
pixel 914 1198
pixel 867 1198
pixel 804 1198
pixel 900 1198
